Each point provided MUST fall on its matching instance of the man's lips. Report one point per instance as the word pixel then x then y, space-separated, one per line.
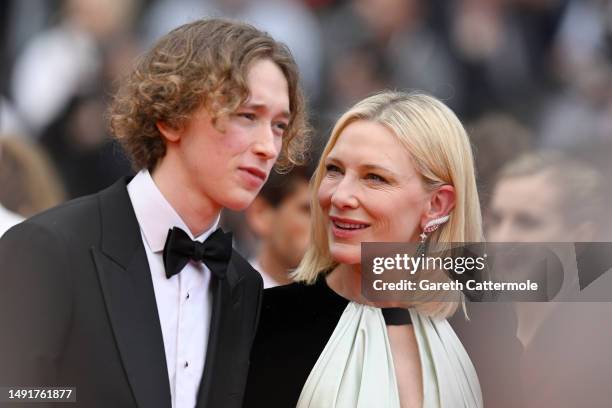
pixel 261 174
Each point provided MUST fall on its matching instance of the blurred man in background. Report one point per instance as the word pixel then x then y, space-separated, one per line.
pixel 548 197
pixel 280 217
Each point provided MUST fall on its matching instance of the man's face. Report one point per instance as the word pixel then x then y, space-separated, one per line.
pixel 526 209
pixel 229 165
pixel 290 226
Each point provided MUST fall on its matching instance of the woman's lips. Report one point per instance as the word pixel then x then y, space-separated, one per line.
pixel 346 228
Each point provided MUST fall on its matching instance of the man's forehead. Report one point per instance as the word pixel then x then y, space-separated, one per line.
pixel 268 87
pixel 257 105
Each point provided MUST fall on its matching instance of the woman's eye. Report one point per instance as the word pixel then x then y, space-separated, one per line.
pixel 332 168
pixel 376 177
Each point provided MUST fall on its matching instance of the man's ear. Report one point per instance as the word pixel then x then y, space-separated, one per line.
pixel 170 133
pixel 259 216
pixel 441 203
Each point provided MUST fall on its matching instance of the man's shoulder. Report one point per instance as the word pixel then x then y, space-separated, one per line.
pixel 56 221
pixel 46 243
pixel 72 218
pixel 74 211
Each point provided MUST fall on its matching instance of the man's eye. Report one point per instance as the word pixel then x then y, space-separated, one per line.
pixel 247 115
pixel 528 222
pixel 376 177
pixel 493 218
pixel 282 126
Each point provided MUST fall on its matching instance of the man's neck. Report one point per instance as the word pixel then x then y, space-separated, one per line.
pixel 273 267
pixel 197 212
pixel 530 316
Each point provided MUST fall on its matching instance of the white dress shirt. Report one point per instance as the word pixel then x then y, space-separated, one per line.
pixel 8 219
pixel 184 302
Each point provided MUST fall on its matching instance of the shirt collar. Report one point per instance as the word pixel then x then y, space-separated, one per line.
pixel 154 213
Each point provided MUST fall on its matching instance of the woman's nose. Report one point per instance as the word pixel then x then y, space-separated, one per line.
pixel 345 194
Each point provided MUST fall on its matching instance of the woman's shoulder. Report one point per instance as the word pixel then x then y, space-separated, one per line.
pixel 288 291
pixel 298 292
pixel 299 301
pixel 293 294
pixel 296 322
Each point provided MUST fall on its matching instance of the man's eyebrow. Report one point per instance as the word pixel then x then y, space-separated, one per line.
pixel 262 106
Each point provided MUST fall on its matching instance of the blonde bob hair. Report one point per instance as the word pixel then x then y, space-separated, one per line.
pixel 441 153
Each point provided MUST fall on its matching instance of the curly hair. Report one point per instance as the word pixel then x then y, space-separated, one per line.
pixel 203 63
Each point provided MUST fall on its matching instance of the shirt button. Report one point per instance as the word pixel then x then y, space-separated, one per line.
pixel 187 297
pixel 186 364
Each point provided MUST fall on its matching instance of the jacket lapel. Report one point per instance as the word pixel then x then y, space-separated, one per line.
pixel 227 294
pixel 127 287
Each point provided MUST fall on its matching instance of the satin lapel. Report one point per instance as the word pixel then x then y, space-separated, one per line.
pixel 127 287
pixel 227 295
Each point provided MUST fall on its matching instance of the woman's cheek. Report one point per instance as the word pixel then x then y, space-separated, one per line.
pixel 325 193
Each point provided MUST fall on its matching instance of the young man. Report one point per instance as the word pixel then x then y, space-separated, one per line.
pixel 131 295
pixel 280 217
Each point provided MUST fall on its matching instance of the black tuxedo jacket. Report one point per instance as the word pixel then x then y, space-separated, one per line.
pixel 77 308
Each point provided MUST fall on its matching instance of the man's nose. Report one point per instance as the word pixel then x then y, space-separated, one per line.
pixel 265 145
pixel 503 232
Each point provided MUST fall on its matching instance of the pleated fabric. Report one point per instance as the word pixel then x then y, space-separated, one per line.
pixel 449 377
pixel 355 369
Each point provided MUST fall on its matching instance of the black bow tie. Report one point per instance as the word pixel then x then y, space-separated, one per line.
pixel 215 252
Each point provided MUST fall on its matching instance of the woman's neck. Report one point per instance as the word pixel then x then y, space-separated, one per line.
pixel 345 280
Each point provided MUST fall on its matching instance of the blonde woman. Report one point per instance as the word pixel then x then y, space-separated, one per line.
pixel 394 164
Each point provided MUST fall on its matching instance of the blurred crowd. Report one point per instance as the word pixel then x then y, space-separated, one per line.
pixel 523 75
pixel 530 79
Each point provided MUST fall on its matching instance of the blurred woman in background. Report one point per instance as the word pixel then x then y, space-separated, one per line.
pixel 29 181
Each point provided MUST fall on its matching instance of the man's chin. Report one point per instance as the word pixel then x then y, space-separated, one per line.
pixel 240 202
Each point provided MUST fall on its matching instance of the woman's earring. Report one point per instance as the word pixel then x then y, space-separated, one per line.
pixel 430 227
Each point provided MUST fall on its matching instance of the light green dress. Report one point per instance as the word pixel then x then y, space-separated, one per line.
pixel 355 369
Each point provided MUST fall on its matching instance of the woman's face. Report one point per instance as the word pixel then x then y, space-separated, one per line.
pixel 370 191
